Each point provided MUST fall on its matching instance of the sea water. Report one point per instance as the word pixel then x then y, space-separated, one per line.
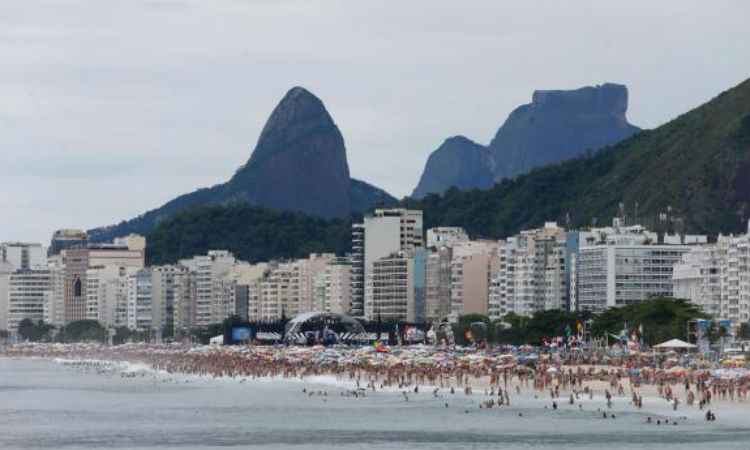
pixel 48 405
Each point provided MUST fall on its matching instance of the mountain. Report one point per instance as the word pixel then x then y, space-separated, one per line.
pixel 697 166
pixel 556 126
pixel 299 164
pixel 458 162
pixel 693 171
pixel 559 125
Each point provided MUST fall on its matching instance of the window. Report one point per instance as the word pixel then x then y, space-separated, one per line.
pixel 77 288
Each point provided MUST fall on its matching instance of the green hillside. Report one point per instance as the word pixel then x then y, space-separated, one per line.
pixel 697 164
pixel 252 234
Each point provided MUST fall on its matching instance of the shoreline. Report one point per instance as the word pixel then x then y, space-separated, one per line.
pixel 351 369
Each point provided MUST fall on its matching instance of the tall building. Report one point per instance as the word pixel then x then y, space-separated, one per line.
pixel 65 239
pixel 333 293
pixel 717 278
pixel 170 288
pixel 531 273
pixel 472 264
pixel 54 304
pixel 144 311
pixel 395 287
pixel 5 270
pixel 622 265
pixel 27 291
pixel 385 232
pixel 107 294
pixel 207 270
pixel 438 283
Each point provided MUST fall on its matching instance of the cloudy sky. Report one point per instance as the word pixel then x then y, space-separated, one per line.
pixel 109 108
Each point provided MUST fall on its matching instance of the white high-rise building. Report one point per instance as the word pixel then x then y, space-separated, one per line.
pixel 54 304
pixel 144 313
pixel 207 270
pixel 717 278
pixel 5 270
pixel 530 274
pixel 170 288
pixel 622 265
pixel 107 294
pixel 385 232
pixel 336 286
pixel 27 291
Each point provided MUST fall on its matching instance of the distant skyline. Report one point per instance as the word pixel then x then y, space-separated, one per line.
pixel 109 109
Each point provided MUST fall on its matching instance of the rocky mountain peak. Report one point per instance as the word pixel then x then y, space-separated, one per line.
pixel 298 114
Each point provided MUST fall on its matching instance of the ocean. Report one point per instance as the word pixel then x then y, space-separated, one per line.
pixel 48 405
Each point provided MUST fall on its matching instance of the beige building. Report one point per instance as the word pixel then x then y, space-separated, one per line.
pixel 472 264
pixel 289 288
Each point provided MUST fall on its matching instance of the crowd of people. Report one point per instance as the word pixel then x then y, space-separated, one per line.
pixel 408 368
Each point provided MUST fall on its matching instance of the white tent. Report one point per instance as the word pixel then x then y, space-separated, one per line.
pixel 675 344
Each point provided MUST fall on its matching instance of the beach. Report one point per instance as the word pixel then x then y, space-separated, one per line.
pixel 55 404
pixel 281 404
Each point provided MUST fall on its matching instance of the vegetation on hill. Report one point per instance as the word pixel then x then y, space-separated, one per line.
pixel 252 234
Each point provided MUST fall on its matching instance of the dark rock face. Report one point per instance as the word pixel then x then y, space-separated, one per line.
pixel 458 162
pixel 299 163
pixel 555 126
pixel 560 125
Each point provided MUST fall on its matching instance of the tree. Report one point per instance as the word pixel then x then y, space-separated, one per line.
pixel 34 332
pixel 661 318
pixel 744 331
pixel 83 331
pixel 469 322
pixel 543 324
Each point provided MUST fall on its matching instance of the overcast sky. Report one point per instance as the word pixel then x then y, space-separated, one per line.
pixel 111 108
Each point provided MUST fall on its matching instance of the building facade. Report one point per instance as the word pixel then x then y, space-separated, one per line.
pixel 385 232
pixel 27 292
pixel 717 278
pixel 622 265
